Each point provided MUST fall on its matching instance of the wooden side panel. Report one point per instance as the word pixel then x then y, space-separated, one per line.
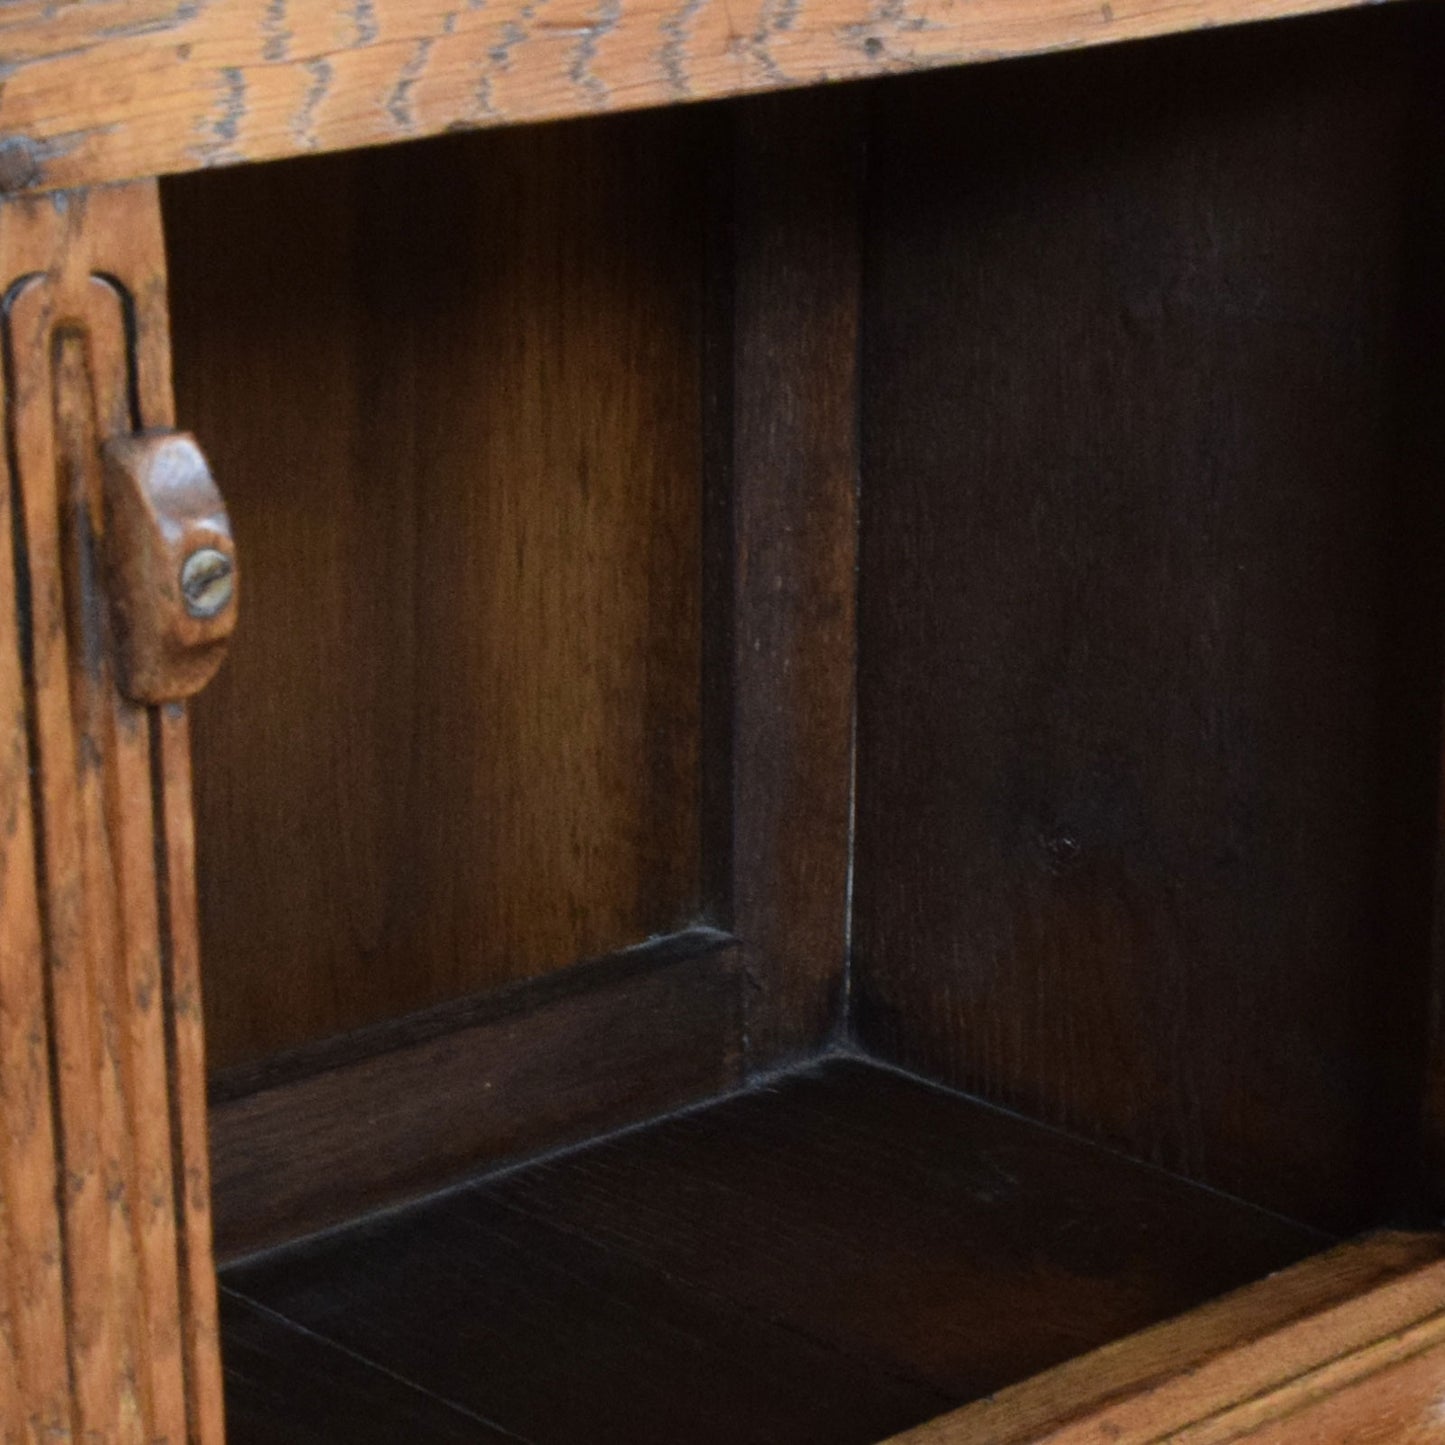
pixel 111 1326
pixel 453 396
pixel 109 89
pixel 1150 655
pixel 795 537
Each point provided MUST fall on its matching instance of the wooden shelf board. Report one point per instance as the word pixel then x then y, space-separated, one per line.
pixel 834 1256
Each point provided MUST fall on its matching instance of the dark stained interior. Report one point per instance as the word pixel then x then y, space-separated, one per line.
pixel 457 414
pixel 824 1261
pixel 1150 603
pixel 966 548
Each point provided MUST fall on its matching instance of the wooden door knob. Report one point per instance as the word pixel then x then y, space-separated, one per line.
pixel 171 565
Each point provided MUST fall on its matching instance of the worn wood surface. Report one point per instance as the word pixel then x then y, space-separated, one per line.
pixel 1387 1391
pixel 110 89
pixel 452 395
pixel 1343 1347
pixel 109 1326
pixel 328 1132
pixel 794 486
pixel 804 1263
pixel 1149 660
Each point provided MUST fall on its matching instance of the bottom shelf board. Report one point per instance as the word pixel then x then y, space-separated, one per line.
pixel 823 1260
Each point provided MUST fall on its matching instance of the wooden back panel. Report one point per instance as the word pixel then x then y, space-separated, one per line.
pixel 1150 598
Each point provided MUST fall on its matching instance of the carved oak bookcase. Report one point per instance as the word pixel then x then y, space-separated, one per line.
pixel 822 822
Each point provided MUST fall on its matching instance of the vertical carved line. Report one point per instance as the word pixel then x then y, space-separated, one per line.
pixel 35 1381
pixel 101 1286
pixel 149 1005
pixel 176 848
pixel 76 1045
pixel 151 405
pixel 133 826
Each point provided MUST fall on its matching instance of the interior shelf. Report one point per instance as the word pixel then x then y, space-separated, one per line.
pixel 829 1258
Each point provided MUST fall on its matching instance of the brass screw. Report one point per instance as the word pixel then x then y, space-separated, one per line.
pixel 208 582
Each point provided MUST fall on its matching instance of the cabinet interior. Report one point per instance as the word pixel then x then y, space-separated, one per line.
pixel 885 641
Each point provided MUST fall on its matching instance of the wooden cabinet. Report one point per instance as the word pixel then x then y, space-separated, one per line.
pixel 822 822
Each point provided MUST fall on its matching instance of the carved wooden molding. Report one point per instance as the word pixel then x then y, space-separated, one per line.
pixel 1346 1346
pixel 108 1322
pixel 103 90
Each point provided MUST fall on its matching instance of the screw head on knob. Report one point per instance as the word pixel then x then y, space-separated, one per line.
pixel 207 582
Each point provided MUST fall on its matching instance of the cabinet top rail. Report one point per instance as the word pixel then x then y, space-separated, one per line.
pixel 94 91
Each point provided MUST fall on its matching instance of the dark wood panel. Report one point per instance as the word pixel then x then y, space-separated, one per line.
pixel 322 1135
pixel 452 393
pixel 1149 658
pixel 900 1222
pixel 562 1341
pixel 794 482
pixel 1423 457
pixel 287 1386
pixel 820 1260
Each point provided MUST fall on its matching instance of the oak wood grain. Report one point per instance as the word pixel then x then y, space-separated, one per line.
pixel 185 1015
pixel 802 1262
pixel 452 395
pixel 963 1246
pixel 33 1378
pixel 1343 1347
pixel 1388 1391
pixel 111 89
pixel 284 1383
pixel 798 184
pixel 557 1340
pixel 412 1104
pixel 1150 657
pixel 86 358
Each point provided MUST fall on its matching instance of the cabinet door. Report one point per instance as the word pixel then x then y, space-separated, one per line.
pixel 108 1311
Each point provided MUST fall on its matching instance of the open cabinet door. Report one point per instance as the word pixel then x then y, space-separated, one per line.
pixel 108 1316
